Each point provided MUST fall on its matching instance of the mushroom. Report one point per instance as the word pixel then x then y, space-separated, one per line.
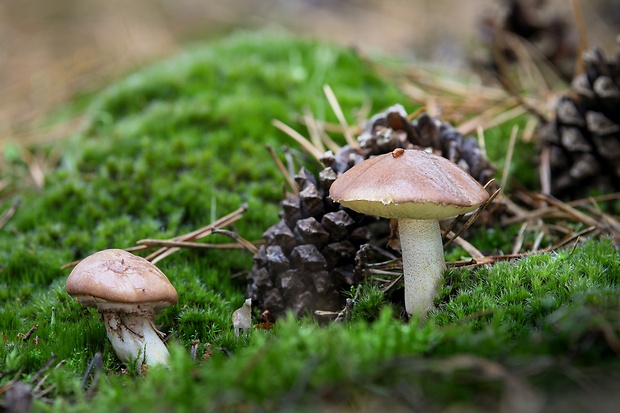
pixel 242 317
pixel 418 189
pixel 127 290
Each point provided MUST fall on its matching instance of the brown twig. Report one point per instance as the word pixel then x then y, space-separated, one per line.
pixel 27 335
pixel 240 240
pixel 169 246
pixel 226 220
pixel 186 244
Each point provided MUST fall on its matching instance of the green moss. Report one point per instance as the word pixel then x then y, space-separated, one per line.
pixel 165 151
pixel 175 145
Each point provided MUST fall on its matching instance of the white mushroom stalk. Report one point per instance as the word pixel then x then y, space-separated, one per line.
pixel 418 189
pixel 423 262
pixel 135 338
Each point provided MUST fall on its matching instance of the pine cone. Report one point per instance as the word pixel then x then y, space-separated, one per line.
pixel 583 139
pixel 309 257
pixel 537 23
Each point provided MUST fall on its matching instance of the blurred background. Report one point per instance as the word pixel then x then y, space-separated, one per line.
pixel 49 50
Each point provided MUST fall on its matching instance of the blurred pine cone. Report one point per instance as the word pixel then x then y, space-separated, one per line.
pixel 549 33
pixel 583 139
pixel 309 257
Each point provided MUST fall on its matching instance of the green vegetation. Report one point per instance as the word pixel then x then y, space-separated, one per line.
pixel 174 146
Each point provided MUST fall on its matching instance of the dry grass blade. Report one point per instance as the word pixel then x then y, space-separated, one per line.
pixel 545 169
pixel 519 240
pixel 492 259
pixel 482 142
pixel 448 231
pixel 531 63
pixel 506 116
pixel 313 130
pixel 413 115
pixel 452 84
pixel 458 218
pixel 555 212
pixel 316 129
pixel 489 112
pixel 538 241
pixel 392 284
pixel 348 134
pixel 330 143
pixel 473 218
pixel 574 213
pixel 603 222
pixel 601 216
pixel 467 246
pixel 299 138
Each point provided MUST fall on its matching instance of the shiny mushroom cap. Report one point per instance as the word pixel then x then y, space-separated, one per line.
pixel 115 278
pixel 408 183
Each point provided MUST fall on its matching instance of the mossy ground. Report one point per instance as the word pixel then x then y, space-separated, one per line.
pixel 168 149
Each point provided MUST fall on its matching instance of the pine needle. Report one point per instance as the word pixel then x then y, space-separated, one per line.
pixel 544 169
pixel 299 138
pixel 482 142
pixel 492 259
pixel 474 217
pixel 287 176
pixel 333 102
pixel 487 114
pixel 509 153
pixel 313 130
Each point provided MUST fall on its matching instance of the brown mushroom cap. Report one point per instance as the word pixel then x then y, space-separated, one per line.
pixel 117 276
pixel 408 183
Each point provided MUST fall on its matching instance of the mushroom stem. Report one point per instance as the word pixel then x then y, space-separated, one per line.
pixel 423 262
pixel 135 338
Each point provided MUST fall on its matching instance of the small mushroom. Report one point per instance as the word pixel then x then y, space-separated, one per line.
pixel 242 317
pixel 418 189
pixel 128 291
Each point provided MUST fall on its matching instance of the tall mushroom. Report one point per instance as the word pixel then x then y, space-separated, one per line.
pixel 418 189
pixel 127 290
